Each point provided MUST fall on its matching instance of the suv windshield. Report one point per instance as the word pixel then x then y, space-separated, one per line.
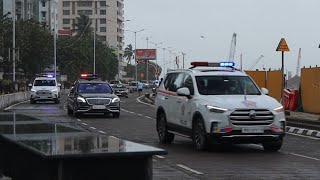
pixel 94 88
pixel 44 83
pixel 226 85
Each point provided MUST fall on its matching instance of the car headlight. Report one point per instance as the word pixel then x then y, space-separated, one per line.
pixel 279 109
pixel 115 100
pixel 33 90
pixel 81 99
pixel 216 109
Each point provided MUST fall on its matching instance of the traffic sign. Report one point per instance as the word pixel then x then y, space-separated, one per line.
pixel 283 46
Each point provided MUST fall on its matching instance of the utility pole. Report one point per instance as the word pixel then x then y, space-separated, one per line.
pixel 14 44
pixel 54 39
pixel 183 54
pixel 147 61
pixel 94 43
pixel 157 69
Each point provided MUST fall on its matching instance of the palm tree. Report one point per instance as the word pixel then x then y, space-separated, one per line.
pixel 83 25
pixel 128 53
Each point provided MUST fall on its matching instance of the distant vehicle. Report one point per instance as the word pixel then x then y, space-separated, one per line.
pixel 120 90
pixel 113 82
pixel 146 84
pixel 92 95
pixel 217 103
pixel 133 86
pixel 45 88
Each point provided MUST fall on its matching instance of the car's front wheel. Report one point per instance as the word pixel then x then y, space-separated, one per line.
pixel 199 134
pixel 272 146
pixel 116 115
pixel 32 101
pixel 165 137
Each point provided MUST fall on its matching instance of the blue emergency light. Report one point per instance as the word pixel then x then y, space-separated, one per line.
pixel 227 64
pixel 213 64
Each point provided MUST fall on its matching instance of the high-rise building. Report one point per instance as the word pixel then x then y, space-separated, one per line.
pixel 45 11
pixel 107 19
pixel 24 8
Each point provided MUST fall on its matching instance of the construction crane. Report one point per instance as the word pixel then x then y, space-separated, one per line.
pixel 298 63
pixel 256 62
pixel 232 51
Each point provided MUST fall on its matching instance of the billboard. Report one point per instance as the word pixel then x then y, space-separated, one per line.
pixel 146 54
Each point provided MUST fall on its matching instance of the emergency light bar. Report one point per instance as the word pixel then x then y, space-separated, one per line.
pixel 213 64
pixel 88 76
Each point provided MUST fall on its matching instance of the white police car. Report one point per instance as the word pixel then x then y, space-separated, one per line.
pixel 215 102
pixel 45 88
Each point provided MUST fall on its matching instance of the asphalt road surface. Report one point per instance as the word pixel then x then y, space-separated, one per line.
pixel 299 157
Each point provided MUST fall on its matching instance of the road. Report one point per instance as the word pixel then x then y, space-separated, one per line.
pixel 298 159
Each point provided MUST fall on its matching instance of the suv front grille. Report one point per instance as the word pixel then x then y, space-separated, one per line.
pixel 43 92
pixel 98 101
pixel 251 117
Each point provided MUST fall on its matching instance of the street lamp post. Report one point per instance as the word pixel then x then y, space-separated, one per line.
pixel 147 61
pixel 14 43
pixel 54 40
pixel 157 69
pixel 135 48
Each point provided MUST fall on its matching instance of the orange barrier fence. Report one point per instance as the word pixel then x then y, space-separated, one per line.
pixel 310 89
pixel 268 79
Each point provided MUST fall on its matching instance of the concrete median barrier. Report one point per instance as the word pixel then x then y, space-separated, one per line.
pixel 9 99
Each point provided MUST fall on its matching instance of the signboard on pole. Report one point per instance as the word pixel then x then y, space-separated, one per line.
pixel 283 46
pixel 146 54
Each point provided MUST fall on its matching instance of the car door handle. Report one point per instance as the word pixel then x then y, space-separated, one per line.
pixel 166 97
pixel 178 101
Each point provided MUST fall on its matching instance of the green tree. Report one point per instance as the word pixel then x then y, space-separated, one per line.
pixel 83 25
pixel 76 56
pixel 128 53
pixel 34 47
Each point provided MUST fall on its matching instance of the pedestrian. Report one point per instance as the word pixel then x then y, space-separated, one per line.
pixel 140 87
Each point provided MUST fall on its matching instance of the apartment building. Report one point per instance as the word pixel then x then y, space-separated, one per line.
pixel 107 20
pixel 24 8
pixel 45 11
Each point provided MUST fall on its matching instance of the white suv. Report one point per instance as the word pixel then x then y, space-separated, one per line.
pixel 45 89
pixel 217 104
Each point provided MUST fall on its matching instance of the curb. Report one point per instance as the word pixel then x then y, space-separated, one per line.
pixel 304 132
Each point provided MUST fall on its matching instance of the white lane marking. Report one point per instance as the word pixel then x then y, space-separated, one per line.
pixel 310 137
pixel 15 105
pixel 139 114
pixel 292 129
pixel 79 120
pixel 300 131
pixel 102 132
pixel 85 124
pixel 189 169
pixel 305 156
pixel 148 117
pixel 144 102
pixel 318 134
pixel 309 132
pixel 93 128
pixel 160 157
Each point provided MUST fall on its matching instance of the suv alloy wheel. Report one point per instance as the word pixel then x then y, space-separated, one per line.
pixel 198 134
pixel 164 136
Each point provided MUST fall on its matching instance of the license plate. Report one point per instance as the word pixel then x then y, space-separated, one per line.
pixel 252 130
pixel 98 107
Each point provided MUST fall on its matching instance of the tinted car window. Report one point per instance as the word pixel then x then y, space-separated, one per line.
pixel 226 85
pixel 44 83
pixel 94 88
pixel 176 83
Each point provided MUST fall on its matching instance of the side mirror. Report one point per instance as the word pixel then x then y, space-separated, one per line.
pixel 265 91
pixel 184 92
pixel 30 85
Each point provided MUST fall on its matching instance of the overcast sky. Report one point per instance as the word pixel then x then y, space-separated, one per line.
pixel 259 24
